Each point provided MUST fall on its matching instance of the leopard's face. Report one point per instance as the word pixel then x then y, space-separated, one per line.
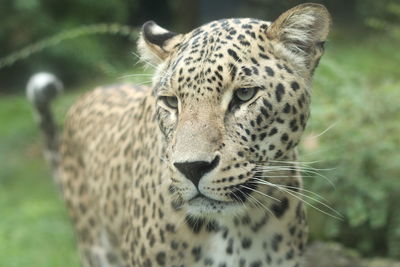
pixel 229 101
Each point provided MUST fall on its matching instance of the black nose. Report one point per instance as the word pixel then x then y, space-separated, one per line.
pixel 196 169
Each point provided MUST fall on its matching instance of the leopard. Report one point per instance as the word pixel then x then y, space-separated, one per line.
pixel 199 168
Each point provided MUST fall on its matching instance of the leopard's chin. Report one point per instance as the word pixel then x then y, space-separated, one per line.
pixel 202 206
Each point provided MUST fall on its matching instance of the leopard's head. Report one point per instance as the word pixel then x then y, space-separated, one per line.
pixel 232 95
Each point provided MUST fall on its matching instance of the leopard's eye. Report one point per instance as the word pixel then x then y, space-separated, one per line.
pixel 245 94
pixel 241 96
pixel 170 101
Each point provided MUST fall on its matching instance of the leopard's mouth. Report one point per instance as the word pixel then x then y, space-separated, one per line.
pixel 201 205
pixel 238 193
pixel 201 199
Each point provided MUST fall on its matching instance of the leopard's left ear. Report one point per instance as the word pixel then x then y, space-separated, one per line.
pixel 302 31
pixel 155 43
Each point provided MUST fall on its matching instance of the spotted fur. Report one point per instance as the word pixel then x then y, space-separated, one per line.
pixel 175 175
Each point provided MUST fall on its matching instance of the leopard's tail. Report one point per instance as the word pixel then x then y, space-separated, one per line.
pixel 41 90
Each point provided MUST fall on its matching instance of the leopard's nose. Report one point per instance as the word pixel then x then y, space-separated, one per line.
pixel 194 170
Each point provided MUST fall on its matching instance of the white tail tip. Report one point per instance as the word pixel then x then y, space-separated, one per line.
pixel 42 87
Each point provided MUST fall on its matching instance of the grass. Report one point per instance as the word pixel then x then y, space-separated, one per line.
pixel 356 76
pixel 34 228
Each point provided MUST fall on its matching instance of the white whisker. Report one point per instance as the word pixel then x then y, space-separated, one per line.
pixel 257 201
pixel 146 61
pixel 135 75
pixel 339 217
pixel 323 132
pixel 293 187
pixel 295 162
pixel 293 193
pixel 298 168
pixel 273 169
pixel 254 190
pixel 236 197
pixel 284 176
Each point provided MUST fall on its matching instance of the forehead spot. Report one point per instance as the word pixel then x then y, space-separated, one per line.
pixel 234 55
pixel 280 90
pixel 269 71
pixel 295 86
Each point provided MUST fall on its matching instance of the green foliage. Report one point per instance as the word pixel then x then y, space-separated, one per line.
pixel 111 29
pixel 385 17
pixel 26 21
pixel 356 89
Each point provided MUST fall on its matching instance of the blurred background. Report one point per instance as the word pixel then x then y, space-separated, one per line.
pixel 353 136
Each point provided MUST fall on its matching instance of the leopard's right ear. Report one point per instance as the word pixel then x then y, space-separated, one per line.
pixel 155 43
pixel 302 31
